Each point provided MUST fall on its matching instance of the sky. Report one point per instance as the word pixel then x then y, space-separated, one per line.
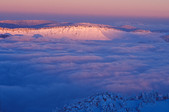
pixel 127 8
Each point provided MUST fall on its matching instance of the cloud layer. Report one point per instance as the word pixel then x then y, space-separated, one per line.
pixel 40 75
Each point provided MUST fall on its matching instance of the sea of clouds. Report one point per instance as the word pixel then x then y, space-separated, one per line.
pixel 42 75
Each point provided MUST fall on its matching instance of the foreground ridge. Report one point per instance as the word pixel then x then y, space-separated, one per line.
pixel 109 102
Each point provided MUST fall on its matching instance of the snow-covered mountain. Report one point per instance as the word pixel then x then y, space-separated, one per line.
pixel 72 32
pixel 109 102
pixel 75 31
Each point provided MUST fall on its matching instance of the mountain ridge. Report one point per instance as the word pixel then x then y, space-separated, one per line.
pixel 110 102
pixel 43 23
pixel 76 31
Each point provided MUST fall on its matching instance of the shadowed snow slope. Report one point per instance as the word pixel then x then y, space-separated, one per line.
pixel 108 102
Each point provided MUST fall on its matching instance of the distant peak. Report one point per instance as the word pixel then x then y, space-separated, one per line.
pixel 26 22
pixel 128 27
pixel 31 23
pixel 90 25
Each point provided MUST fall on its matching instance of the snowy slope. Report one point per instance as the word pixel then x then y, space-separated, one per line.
pixel 78 31
pixel 29 29
pixel 160 106
pixel 108 102
pixel 72 32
